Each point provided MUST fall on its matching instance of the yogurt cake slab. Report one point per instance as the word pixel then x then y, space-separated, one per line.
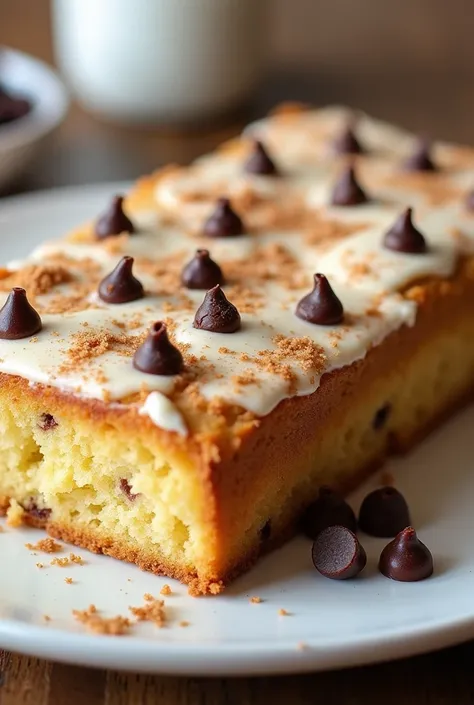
pixel 179 377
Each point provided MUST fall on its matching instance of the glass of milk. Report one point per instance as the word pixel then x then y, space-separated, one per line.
pixel 160 60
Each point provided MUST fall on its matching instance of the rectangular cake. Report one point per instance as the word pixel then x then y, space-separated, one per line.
pixel 185 372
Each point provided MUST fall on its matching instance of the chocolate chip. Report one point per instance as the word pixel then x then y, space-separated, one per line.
pixel 157 355
pixel 39 515
pixel 47 422
pixel 406 558
pixel 347 191
pixel 260 162
pixel 347 143
pixel 224 221
pixel 470 201
pixel 113 221
pixel 266 531
pixel 381 417
pixel 420 159
pixel 120 286
pixel 330 509
pixel 127 490
pixel 321 305
pixel 202 272
pixel 404 237
pixel 216 313
pixel 18 318
pixel 384 512
pixel 337 553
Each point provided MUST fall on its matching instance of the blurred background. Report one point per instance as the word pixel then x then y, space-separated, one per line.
pixel 408 62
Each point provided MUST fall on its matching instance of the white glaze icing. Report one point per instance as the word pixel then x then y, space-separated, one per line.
pixel 366 277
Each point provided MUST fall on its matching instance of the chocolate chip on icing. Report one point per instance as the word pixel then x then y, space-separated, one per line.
pixel 347 143
pixel 120 286
pixel 18 318
pixel 420 159
pixel 113 221
pixel 337 553
pixel 202 272
pixel 321 305
pixel 216 313
pixel 347 191
pixel 406 558
pixel 224 221
pixel 260 162
pixel 157 355
pixel 404 237
pixel 329 509
pixel 384 513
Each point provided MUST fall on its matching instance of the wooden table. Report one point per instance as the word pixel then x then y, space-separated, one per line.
pixel 425 94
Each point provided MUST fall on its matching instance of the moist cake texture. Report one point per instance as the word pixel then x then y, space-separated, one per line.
pixel 196 471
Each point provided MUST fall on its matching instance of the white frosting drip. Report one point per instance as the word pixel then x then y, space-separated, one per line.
pixel 164 413
pixel 366 277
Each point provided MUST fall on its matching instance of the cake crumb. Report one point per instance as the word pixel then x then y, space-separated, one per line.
pixel 148 597
pixel 68 581
pixel 74 558
pixel 166 590
pixel 61 562
pixel 40 565
pixel 46 618
pixel 153 611
pixel 15 514
pixel 45 545
pixel 302 646
pixel 255 600
pixel 283 613
pixel 93 622
pixel 184 623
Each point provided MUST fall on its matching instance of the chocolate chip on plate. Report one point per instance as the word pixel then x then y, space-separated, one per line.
pixel 121 286
pixel 321 305
pixel 347 191
pixel 216 313
pixel 113 221
pixel 329 509
pixel 157 355
pixel 260 161
pixel 202 272
pixel 420 159
pixel 404 237
pixel 224 221
pixel 384 513
pixel 337 553
pixel 406 558
pixel 346 142
pixel 18 318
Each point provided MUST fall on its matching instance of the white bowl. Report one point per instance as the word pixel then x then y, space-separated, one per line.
pixel 24 76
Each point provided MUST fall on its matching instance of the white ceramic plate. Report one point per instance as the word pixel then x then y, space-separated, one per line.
pixel 29 78
pixel 331 624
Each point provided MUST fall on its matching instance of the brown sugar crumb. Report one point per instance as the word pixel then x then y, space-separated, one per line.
pixel 153 611
pixel 61 562
pixel 166 590
pixel 45 545
pixel 68 581
pixel 74 558
pixel 184 623
pixel 246 378
pixel 89 344
pixel 255 600
pixel 283 613
pixel 38 278
pixel 226 351
pixel 15 514
pixel 113 626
